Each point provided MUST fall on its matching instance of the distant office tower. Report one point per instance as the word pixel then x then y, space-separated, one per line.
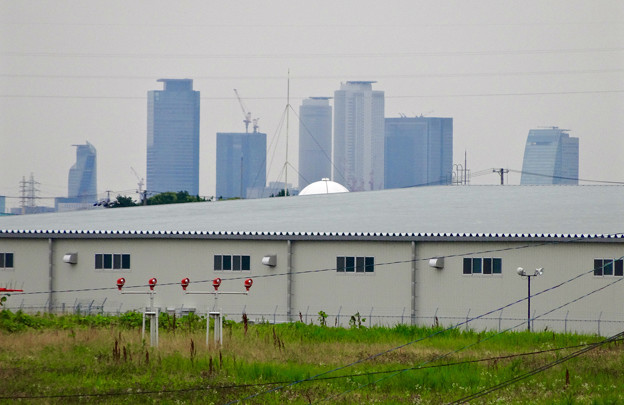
pixel 359 136
pixel 418 151
pixel 551 156
pixel 241 165
pixel 315 134
pixel 173 137
pixel 82 183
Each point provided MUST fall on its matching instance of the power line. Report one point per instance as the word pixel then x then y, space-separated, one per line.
pixel 566 178
pixel 419 96
pixel 315 55
pixel 323 25
pixel 535 371
pixel 312 271
pixel 431 335
pixel 239 386
pixel 323 77
pixel 510 328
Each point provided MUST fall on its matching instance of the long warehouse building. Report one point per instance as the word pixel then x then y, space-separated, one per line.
pixel 445 255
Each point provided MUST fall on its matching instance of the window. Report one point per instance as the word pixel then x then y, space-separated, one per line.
pixel 351 264
pixel 609 267
pixel 232 262
pixel 483 265
pixel 112 261
pixel 6 260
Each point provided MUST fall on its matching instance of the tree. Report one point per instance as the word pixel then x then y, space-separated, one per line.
pixel 122 201
pixel 170 197
pixel 281 193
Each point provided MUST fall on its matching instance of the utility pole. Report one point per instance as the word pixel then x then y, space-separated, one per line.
pixel 502 172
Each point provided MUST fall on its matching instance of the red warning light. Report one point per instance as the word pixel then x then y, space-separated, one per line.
pixel 185 283
pixel 216 283
pixel 152 283
pixel 120 283
pixel 248 283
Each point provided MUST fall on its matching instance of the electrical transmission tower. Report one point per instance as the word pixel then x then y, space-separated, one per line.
pixel 28 194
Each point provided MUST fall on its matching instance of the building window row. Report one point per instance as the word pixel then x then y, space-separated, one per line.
pixel 112 261
pixel 232 262
pixel 355 264
pixel 609 267
pixel 483 265
pixel 6 260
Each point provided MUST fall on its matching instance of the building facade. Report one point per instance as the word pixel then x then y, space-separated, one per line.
pixel 426 256
pixel 551 156
pixel 173 138
pixel 358 153
pixel 241 165
pixel 418 151
pixel 315 140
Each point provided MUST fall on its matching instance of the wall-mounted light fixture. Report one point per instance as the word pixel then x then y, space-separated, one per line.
pixel 71 258
pixel 270 260
pixel 436 262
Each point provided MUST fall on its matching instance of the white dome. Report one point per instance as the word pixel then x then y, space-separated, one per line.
pixel 324 186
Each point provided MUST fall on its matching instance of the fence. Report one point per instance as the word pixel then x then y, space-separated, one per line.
pixel 597 324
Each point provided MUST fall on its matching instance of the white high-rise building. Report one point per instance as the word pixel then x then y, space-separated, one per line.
pixel 358 153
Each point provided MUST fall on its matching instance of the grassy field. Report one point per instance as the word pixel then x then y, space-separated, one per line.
pixel 99 359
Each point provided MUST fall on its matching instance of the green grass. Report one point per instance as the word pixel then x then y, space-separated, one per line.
pixel 100 359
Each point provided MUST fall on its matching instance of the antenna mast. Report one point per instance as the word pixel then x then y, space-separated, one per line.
pixel 287 115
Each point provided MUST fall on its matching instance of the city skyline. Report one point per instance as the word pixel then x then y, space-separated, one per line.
pixel 499 69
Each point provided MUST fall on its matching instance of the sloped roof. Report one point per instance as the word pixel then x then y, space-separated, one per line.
pixel 440 212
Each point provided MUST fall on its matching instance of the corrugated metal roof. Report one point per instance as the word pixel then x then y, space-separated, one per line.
pixel 441 212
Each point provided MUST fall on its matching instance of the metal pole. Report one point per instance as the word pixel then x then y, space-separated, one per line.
pixel 529 304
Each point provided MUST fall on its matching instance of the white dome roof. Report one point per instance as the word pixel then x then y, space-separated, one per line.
pixel 324 186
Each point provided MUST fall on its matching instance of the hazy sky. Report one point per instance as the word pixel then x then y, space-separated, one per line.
pixel 72 71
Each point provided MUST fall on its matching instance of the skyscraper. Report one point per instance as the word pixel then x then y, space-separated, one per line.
pixel 173 137
pixel 359 136
pixel 81 183
pixel 82 179
pixel 418 151
pixel 551 156
pixel 241 165
pixel 315 134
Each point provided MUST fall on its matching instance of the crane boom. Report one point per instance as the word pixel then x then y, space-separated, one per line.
pixel 246 114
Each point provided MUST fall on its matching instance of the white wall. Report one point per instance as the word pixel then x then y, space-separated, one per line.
pixel 385 294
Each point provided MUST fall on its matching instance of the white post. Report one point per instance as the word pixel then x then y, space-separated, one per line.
pixel 216 313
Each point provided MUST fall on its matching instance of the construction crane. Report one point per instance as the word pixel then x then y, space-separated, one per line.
pixel 139 184
pixel 255 124
pixel 247 120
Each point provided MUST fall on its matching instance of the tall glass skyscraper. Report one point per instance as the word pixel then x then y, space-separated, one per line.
pixel 551 156
pixel 173 137
pixel 359 136
pixel 241 165
pixel 418 151
pixel 82 179
pixel 315 135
